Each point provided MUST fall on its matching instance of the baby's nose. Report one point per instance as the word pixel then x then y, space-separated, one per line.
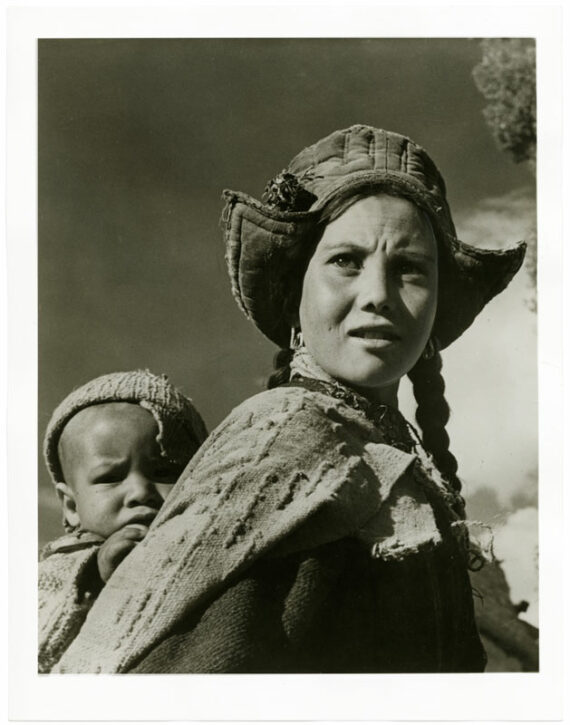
pixel 141 490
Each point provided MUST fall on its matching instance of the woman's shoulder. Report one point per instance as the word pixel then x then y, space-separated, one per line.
pixel 295 404
pixel 280 394
pixel 286 422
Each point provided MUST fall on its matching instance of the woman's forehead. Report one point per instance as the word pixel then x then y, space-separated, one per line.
pixel 381 217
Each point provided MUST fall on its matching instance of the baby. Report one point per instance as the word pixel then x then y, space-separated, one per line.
pixel 114 448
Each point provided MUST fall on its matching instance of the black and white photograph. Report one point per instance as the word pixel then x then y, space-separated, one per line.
pixel 289 405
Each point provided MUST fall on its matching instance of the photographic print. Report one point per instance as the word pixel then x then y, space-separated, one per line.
pixel 288 380
pixel 137 139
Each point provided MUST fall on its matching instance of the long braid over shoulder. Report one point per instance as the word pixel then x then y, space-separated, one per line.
pixel 432 415
pixel 282 365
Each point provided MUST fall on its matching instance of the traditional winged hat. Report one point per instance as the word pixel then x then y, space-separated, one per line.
pixel 267 240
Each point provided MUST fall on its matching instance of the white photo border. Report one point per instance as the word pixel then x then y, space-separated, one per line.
pixel 507 696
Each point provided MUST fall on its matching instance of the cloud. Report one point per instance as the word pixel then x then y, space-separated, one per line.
pixel 493 382
pixel 491 371
pixel 499 221
pixel 516 546
pixel 491 386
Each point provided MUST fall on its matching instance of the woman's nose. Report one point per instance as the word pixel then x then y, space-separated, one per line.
pixel 141 491
pixel 374 287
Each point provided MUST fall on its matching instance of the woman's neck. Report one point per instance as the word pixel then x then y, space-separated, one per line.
pixel 304 364
pixel 387 395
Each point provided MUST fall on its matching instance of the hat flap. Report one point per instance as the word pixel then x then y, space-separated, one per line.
pixel 469 278
pixel 263 246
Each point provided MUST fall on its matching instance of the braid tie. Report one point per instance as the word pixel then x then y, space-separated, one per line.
pixel 282 365
pixel 432 415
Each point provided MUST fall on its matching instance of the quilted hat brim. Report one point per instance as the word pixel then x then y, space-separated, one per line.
pixel 265 245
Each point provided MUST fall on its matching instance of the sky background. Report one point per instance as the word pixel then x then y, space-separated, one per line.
pixel 138 138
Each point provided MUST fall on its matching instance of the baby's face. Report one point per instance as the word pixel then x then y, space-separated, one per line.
pixel 113 469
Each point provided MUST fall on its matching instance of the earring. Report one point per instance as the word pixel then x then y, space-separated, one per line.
pixel 431 348
pixel 296 341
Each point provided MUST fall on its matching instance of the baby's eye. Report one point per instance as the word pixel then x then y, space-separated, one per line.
pixel 109 477
pixel 346 261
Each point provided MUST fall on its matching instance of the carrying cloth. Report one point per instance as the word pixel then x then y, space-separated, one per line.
pixel 68 583
pixel 332 609
pixel 288 469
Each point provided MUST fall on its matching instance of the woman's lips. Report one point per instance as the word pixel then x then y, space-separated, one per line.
pixel 375 334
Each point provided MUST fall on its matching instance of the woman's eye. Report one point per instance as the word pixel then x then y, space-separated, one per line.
pixel 346 261
pixel 408 268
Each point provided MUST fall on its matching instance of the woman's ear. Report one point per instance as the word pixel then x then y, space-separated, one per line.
pixel 68 503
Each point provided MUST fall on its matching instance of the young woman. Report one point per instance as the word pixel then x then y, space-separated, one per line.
pixel 316 531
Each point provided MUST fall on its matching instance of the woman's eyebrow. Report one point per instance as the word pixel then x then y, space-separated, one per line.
pixel 344 246
pixel 401 248
pixel 406 252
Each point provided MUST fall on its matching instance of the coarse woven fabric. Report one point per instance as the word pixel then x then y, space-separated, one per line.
pixel 287 470
pixel 266 244
pixel 65 593
pixel 181 429
pixel 332 609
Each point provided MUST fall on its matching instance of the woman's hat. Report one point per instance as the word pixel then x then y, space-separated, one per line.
pixel 266 241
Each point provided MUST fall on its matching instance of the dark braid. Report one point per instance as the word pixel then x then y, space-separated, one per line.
pixel 432 415
pixel 282 365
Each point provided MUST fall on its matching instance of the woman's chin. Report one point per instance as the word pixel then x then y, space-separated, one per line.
pixel 378 386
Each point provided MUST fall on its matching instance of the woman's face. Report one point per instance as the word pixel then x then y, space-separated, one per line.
pixel 369 294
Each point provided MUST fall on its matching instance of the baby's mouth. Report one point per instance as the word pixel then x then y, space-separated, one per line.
pixel 145 518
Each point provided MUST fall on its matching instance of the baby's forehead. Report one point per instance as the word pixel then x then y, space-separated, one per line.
pixel 105 424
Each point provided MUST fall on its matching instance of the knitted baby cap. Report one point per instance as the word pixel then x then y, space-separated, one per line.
pixel 181 429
